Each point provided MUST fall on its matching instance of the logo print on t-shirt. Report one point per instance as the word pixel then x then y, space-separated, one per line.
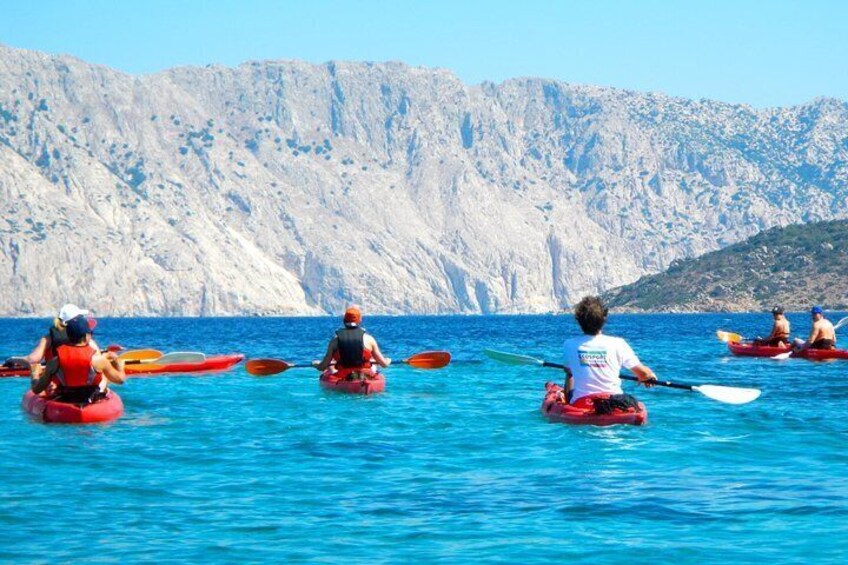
pixel 592 357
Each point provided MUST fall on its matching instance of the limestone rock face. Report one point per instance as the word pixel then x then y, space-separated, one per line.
pixel 286 187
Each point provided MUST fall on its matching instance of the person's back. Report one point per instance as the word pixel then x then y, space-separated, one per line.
pixel 78 369
pixel 780 332
pixel 594 361
pixel 57 336
pixel 352 347
pixel 822 335
pixel 75 375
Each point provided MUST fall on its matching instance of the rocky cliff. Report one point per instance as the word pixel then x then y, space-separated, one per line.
pixel 284 187
pixel 796 267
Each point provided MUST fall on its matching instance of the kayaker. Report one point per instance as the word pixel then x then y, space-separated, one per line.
pixel 78 370
pixel 56 335
pixel 779 336
pixel 352 347
pixel 593 361
pixel 822 336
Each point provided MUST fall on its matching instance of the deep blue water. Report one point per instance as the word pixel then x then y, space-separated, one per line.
pixel 454 465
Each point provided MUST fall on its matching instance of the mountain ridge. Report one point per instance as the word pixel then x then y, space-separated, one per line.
pixel 297 188
pixel 795 266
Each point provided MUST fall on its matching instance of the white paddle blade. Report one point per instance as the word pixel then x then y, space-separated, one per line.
pixel 728 394
pixel 782 356
pixel 841 323
pixel 512 358
pixel 180 357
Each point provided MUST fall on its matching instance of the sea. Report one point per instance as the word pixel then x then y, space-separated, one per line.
pixel 455 465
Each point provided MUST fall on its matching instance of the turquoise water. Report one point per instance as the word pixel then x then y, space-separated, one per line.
pixel 454 465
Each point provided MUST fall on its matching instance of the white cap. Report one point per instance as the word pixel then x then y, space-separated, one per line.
pixel 71 311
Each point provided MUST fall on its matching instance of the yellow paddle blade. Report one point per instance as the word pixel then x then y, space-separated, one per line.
pixel 429 360
pixel 264 367
pixel 729 337
pixel 140 355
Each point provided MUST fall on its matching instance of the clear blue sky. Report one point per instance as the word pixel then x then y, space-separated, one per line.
pixel 764 53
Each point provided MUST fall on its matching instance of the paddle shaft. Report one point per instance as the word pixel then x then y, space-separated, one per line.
pixel 668 384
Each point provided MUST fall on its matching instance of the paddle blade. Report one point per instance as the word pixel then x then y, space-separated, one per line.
pixel 512 358
pixel 841 323
pixel 782 356
pixel 140 355
pixel 265 367
pixel 429 360
pixel 727 394
pixel 729 337
pixel 181 357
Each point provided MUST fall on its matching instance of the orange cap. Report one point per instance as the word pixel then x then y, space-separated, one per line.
pixel 352 316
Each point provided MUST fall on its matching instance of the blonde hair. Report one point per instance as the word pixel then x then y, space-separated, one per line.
pixel 57 323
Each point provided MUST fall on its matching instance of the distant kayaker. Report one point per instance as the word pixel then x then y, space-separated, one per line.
pixel 352 347
pixel 779 336
pixel 56 335
pixel 822 336
pixel 78 369
pixel 593 361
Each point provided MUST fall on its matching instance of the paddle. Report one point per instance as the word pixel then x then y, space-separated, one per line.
pixel 781 356
pixel 265 367
pixel 726 394
pixel 729 337
pixel 423 360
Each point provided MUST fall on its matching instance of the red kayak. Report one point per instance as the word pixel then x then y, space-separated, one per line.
pixel 340 381
pixel 751 350
pixel 211 364
pixel 582 412
pixel 13 372
pixel 48 410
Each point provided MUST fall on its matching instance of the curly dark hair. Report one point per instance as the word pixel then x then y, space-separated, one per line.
pixel 591 314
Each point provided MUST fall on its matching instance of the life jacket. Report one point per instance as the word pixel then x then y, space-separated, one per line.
pixel 351 352
pixel 75 368
pixel 58 337
pixel 782 336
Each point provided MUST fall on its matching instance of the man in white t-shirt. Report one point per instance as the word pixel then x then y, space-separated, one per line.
pixel 593 361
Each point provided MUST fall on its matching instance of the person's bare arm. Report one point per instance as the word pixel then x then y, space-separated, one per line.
pixel 324 364
pixel 378 356
pixel 37 354
pixel 645 375
pixel 568 385
pixel 114 373
pixel 41 376
pixel 814 333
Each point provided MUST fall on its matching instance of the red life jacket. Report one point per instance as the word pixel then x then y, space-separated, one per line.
pixel 75 368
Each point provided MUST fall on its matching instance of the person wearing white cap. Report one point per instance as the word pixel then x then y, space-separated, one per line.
pixel 57 335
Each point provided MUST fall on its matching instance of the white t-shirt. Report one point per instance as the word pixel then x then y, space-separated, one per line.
pixel 596 361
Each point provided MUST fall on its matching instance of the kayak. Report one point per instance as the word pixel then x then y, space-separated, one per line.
pixel 582 412
pixel 13 372
pixel 210 364
pixel 751 350
pixel 373 383
pixel 104 410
